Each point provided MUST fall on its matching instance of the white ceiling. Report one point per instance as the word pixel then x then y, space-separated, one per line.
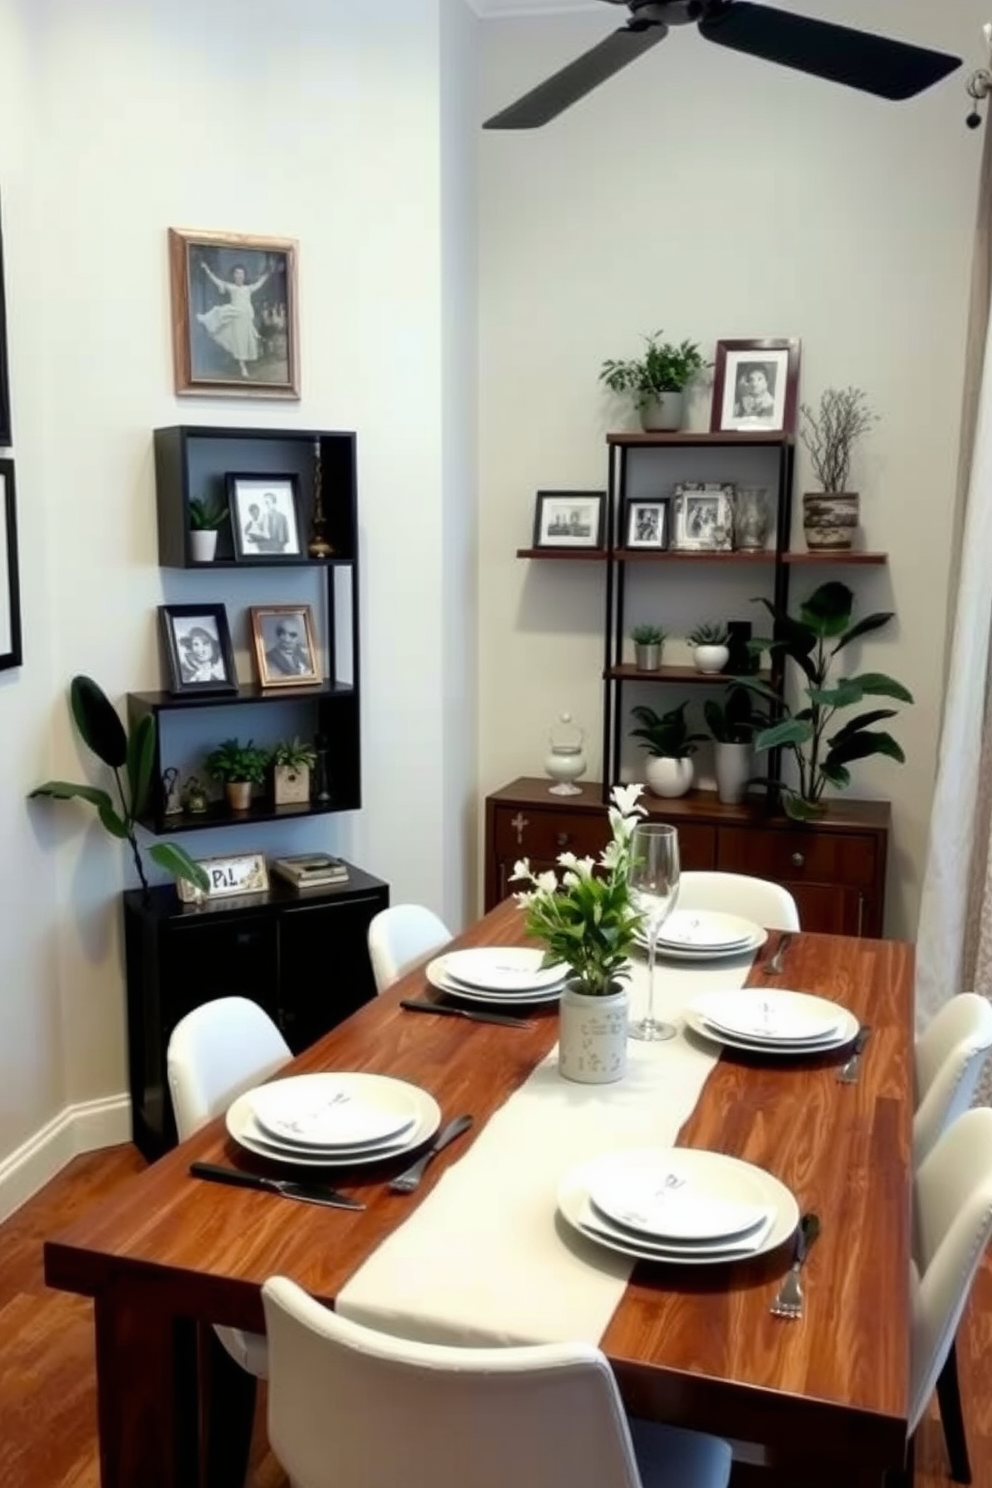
pixel 490 8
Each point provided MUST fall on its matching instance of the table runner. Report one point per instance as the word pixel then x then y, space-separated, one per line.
pixel 485 1260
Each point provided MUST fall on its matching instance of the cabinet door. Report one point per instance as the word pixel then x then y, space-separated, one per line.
pixel 830 909
pixel 212 958
pixel 324 969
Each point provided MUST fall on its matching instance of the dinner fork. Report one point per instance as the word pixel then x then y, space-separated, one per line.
pixel 406 1182
pixel 848 1071
pixel 774 966
pixel 788 1302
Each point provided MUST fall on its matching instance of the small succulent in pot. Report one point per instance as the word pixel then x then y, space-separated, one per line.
pixel 648 642
pixel 648 635
pixel 238 766
pixel 710 633
pixel 291 765
pixel 710 643
pixel 206 515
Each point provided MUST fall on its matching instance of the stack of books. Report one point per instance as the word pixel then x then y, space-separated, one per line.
pixel 311 870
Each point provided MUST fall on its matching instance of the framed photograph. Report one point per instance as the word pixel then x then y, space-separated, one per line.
pixel 647 523
pixel 703 518
pixel 264 516
pixel 755 386
pixel 569 519
pixel 234 314
pixel 243 873
pixel 196 644
pixel 5 433
pixel 285 649
pixel 10 589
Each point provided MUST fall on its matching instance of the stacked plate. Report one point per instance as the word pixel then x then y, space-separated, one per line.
pixel 772 1020
pixel 705 935
pixel 678 1205
pixel 505 974
pixel 333 1120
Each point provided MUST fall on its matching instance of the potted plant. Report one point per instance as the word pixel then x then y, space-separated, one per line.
pixel 831 514
pixel 588 923
pixel 821 748
pixel 733 724
pixel 238 766
pixel 131 756
pixel 710 646
pixel 656 380
pixel 668 742
pixel 206 517
pixel 648 641
pixel 291 766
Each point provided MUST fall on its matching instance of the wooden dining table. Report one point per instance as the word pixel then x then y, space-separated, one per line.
pixel 817 1398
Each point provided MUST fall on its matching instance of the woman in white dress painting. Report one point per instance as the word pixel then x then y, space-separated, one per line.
pixel 232 325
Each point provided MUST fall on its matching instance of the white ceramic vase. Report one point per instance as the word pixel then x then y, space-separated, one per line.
pixel 710 658
pixel 592 1037
pixel 664 411
pixel 733 769
pixel 203 545
pixel 668 777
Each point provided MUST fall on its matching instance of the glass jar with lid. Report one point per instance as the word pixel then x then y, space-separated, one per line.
pixel 565 760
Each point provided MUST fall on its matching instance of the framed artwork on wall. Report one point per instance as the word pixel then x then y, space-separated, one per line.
pixel 755 386
pixel 10 593
pixel 285 649
pixel 569 519
pixel 196 644
pixel 5 431
pixel 234 314
pixel 264 516
pixel 647 523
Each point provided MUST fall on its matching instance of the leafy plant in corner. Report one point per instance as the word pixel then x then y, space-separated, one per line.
pixel 664 368
pixel 295 755
pixel 206 515
pixel 822 757
pixel 830 434
pixel 710 633
pixel 130 755
pixel 232 761
pixel 648 635
pixel 737 720
pixel 665 735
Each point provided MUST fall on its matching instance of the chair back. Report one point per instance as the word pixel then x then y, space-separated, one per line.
pixel 216 1052
pixel 401 936
pixel 351 1406
pixel 755 899
pixel 953 1222
pixel 949 1058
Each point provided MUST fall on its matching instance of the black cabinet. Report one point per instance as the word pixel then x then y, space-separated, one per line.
pixel 302 957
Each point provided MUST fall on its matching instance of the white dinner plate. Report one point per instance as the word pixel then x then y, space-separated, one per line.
pixel 770 1014
pixel 338 1109
pixel 847 1031
pixel 697 954
pixel 427 1118
pixel 706 930
pixel 295 1151
pixel 438 978
pixel 712 1167
pixel 502 969
pixel 677 1200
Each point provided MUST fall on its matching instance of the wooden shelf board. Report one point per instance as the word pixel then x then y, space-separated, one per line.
pixel 673 555
pixel 843 556
pixel 570 555
pixel 700 437
pixel 627 672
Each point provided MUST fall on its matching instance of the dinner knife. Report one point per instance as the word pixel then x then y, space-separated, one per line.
pixel 454 1012
pixel 309 1193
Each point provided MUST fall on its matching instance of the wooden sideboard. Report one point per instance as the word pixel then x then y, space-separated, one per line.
pixel 835 868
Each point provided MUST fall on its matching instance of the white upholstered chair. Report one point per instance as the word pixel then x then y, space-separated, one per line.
pixel 949 1058
pixel 953 1223
pixel 349 1406
pixel 401 936
pixel 215 1053
pixel 755 899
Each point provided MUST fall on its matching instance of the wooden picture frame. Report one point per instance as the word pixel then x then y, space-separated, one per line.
pixel 286 652
pixel 756 386
pixel 197 650
pixel 236 873
pixel 265 517
pixel 647 523
pixel 235 322
pixel 569 519
pixel 11 654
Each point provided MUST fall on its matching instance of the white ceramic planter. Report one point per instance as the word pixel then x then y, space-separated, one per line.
pixel 592 1037
pixel 663 412
pixel 290 785
pixel 733 768
pixel 203 546
pixel 710 658
pixel 668 777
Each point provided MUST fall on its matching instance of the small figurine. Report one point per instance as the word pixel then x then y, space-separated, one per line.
pixel 195 796
pixel 172 795
pixel 322 772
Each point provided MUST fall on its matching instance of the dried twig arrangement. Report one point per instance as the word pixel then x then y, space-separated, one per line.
pixel 829 436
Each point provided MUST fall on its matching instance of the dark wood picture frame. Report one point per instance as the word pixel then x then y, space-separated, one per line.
pixel 635 536
pixel 6 434
pixel 569 519
pixel 244 342
pixel 778 355
pixel 181 661
pixel 270 673
pixel 242 490
pixel 10 612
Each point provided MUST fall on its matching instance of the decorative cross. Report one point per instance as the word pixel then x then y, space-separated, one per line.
pixel 519 822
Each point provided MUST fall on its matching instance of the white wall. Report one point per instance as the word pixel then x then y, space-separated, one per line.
pixel 319 120
pixel 715 196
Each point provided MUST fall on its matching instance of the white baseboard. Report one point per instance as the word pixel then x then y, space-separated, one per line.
pixel 80 1128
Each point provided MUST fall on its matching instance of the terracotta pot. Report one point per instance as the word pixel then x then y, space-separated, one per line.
pixel 238 793
pixel 829 519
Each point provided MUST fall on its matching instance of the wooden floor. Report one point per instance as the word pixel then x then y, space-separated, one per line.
pixel 47 1386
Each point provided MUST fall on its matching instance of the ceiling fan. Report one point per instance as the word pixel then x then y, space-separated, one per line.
pixel 858 59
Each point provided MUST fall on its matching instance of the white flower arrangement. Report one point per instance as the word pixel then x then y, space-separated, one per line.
pixel 586 918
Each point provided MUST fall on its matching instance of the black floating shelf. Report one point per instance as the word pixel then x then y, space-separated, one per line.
pixel 158 702
pixel 219 814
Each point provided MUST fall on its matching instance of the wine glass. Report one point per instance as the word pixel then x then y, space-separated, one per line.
pixel 653 878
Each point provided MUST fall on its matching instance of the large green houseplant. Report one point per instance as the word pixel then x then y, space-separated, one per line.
pixel 130 756
pixel 821 749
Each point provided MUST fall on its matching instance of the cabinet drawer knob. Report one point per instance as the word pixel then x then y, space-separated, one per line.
pixel 562 839
pixel 798 859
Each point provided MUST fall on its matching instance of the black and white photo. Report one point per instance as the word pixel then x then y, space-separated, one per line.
pixel 703 518
pixel 196 643
pixel 264 516
pixel 755 386
pixel 10 594
pixel 285 648
pixel 647 524
pixel 569 519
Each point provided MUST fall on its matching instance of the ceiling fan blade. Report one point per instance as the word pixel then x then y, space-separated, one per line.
pixel 873 64
pixel 557 93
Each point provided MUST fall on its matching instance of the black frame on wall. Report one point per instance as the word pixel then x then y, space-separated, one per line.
pixel 9 577
pixel 5 430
